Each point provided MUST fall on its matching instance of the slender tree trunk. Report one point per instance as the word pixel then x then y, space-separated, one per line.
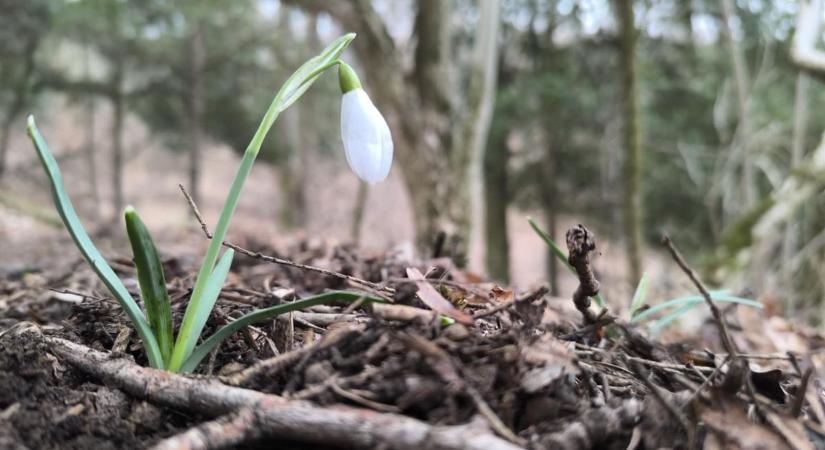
pixel 91 151
pixel 481 100
pixel 686 20
pixel 792 230
pixel 742 82
pixel 632 141
pixel 497 198
pixel 421 110
pixel 21 95
pixel 550 203
pixel 301 140
pixel 5 136
pixel 358 211
pixel 196 53
pixel 117 140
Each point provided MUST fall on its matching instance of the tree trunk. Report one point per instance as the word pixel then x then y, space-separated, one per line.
pixel 195 52
pixel 792 229
pixel 497 198
pixel 742 82
pixel 549 195
pixel 21 94
pixel 5 136
pixel 420 109
pixel 480 100
pixel 117 139
pixel 301 140
pixel 632 143
pixel 91 151
pixel 358 211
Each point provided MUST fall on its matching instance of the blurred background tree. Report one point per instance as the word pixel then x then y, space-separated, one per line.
pixel 498 109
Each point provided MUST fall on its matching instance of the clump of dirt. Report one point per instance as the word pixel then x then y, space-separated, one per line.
pixel 45 404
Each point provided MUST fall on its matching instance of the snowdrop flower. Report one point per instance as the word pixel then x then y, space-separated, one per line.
pixel 366 136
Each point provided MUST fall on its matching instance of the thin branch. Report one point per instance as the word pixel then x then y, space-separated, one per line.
pixel 271 259
pixel 226 431
pixel 799 400
pixel 529 298
pixel 674 410
pixel 727 342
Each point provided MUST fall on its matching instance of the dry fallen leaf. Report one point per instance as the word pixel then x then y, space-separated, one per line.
pixel 731 429
pixel 436 302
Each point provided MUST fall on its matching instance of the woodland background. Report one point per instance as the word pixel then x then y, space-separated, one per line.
pixel 695 118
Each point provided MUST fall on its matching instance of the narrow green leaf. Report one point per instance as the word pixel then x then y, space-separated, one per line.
pixel 693 300
pixel 190 333
pixel 639 295
pixel 267 313
pixel 152 282
pixel 721 296
pixel 302 79
pixel 561 255
pixel 294 87
pixel 88 249
pixel 671 316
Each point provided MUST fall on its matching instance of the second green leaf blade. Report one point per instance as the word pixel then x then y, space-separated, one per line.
pixel 152 282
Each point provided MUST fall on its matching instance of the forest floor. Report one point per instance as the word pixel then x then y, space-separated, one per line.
pixel 523 370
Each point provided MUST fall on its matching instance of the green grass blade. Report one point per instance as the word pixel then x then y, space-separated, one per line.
pixel 692 300
pixel 267 313
pixel 188 337
pixel 673 315
pixel 718 296
pixel 152 282
pixel 87 248
pixel 288 94
pixel 640 295
pixel 561 255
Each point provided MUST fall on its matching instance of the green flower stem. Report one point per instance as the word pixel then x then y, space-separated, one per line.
pixel 292 89
pixel 185 341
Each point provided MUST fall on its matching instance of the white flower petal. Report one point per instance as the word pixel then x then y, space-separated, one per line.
pixel 367 138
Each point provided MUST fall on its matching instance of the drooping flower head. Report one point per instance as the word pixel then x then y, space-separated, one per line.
pixel 367 139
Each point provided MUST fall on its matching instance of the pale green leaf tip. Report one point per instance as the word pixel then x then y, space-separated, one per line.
pixel 129 210
pixel 30 125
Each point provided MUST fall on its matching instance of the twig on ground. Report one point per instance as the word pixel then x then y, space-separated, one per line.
pixel 580 245
pixel 738 371
pixel 529 298
pixel 495 422
pixel 285 360
pixel 674 410
pixel 708 380
pixel 596 426
pixel 383 407
pixel 799 400
pixel 271 259
pixel 274 416
pixel 227 431
pixel 727 342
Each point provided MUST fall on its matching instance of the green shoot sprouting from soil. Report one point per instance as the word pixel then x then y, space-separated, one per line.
pixel 155 327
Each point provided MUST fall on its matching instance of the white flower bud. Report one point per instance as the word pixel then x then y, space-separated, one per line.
pixel 366 136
